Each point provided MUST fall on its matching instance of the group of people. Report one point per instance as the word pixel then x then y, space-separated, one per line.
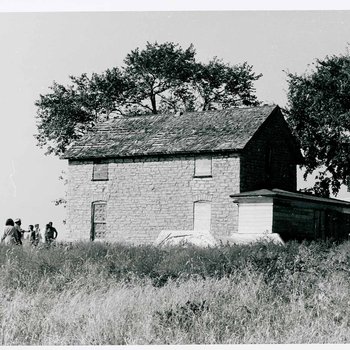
pixel 14 234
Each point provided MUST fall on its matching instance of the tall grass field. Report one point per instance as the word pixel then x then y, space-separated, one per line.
pixel 102 294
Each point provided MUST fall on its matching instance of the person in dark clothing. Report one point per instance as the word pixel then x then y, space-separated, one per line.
pixel 19 232
pixel 50 233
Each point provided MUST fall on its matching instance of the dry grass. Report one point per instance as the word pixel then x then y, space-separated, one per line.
pixel 77 296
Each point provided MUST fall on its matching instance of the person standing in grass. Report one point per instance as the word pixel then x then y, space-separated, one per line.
pixel 38 237
pixel 19 232
pixel 50 233
pixel 31 234
pixel 9 232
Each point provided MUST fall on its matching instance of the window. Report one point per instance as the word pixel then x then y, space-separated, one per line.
pixel 98 220
pixel 202 166
pixel 202 216
pixel 268 165
pixel 100 170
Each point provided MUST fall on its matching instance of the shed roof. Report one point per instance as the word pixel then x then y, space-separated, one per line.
pixel 195 132
pixel 286 194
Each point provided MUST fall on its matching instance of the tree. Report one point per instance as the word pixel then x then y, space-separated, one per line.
pixel 167 78
pixel 221 85
pixel 66 113
pixel 318 111
pixel 156 70
pixel 160 78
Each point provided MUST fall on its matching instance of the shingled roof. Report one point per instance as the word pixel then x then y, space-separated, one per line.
pixel 196 132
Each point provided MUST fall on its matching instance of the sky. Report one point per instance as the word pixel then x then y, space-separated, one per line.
pixel 40 48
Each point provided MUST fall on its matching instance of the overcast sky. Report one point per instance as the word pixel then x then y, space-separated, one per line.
pixel 39 48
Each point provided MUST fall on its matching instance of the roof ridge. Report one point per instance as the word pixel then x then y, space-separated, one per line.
pixel 151 115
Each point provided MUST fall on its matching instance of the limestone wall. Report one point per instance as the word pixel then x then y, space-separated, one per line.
pixel 147 195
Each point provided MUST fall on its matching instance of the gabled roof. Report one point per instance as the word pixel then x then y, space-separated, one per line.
pixel 196 132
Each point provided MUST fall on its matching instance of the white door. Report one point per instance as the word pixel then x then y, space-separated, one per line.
pixel 202 216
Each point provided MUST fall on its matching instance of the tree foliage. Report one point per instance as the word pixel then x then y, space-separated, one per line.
pixel 67 112
pixel 319 113
pixel 221 85
pixel 159 78
pixel 155 71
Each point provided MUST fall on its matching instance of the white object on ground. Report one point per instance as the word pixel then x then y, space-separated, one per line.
pixel 183 237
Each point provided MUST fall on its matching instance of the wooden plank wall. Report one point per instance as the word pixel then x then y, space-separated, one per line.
pixel 293 222
pixel 301 220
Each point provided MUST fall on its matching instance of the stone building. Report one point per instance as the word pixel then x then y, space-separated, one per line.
pixel 132 177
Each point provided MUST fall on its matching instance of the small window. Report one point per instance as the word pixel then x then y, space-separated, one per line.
pixel 100 171
pixel 202 166
pixel 98 220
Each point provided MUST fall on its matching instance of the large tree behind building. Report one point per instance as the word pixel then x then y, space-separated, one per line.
pixel 67 112
pixel 159 78
pixel 319 112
